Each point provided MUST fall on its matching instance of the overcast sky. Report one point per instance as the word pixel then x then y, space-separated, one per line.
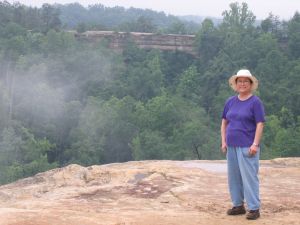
pixel 285 9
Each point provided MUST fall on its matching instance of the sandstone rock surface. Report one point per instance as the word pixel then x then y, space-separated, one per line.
pixel 165 42
pixel 147 193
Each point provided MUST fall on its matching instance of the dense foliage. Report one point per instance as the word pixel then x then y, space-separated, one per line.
pixel 99 17
pixel 66 101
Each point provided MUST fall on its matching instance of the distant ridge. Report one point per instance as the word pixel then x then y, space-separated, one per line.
pixel 199 19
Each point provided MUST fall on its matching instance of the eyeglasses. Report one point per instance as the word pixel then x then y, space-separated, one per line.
pixel 243 82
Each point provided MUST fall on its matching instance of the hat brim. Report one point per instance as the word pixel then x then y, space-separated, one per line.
pixel 232 81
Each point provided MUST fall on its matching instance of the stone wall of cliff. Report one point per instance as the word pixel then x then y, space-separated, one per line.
pixel 165 42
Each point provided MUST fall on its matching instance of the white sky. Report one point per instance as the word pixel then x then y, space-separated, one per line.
pixel 285 9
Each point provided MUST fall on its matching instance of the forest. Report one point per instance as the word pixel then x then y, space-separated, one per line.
pixel 64 100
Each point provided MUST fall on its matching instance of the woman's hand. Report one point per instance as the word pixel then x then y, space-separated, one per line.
pixel 224 148
pixel 253 150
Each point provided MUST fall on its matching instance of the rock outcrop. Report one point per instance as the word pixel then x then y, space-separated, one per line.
pixel 165 42
pixel 147 193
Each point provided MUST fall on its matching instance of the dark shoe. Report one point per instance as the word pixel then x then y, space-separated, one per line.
pixel 253 214
pixel 237 210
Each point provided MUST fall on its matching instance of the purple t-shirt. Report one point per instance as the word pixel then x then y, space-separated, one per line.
pixel 242 117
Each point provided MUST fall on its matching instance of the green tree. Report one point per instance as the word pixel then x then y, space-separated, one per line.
pixel 293 87
pixel 294 36
pixel 177 27
pixel 104 132
pixel 208 41
pixel 81 28
pixel 56 42
pixel 239 17
pixel 144 80
pixel 21 154
pixel 150 144
pixel 274 26
pixel 142 24
pixel 50 18
pixel 286 118
pixel 189 82
pixel 178 127
pixel 238 34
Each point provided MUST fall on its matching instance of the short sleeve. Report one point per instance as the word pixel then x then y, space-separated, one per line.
pixel 259 111
pixel 226 107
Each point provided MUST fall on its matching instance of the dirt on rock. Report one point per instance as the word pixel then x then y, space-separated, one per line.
pixel 148 193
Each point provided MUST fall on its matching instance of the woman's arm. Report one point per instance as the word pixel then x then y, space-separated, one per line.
pixel 258 134
pixel 223 135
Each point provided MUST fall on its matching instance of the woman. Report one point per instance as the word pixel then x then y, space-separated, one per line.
pixel 241 130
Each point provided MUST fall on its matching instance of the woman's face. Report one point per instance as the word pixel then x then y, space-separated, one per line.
pixel 243 85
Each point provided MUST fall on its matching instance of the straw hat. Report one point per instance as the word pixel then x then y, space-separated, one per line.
pixel 243 73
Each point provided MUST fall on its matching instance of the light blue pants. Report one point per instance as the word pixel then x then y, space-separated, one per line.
pixel 243 177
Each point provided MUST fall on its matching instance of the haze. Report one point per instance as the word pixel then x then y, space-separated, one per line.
pixel 214 8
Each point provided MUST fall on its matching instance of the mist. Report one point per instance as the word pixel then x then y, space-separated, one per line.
pixel 42 99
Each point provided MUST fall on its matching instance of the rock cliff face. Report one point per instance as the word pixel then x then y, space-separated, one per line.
pixel 147 193
pixel 117 40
